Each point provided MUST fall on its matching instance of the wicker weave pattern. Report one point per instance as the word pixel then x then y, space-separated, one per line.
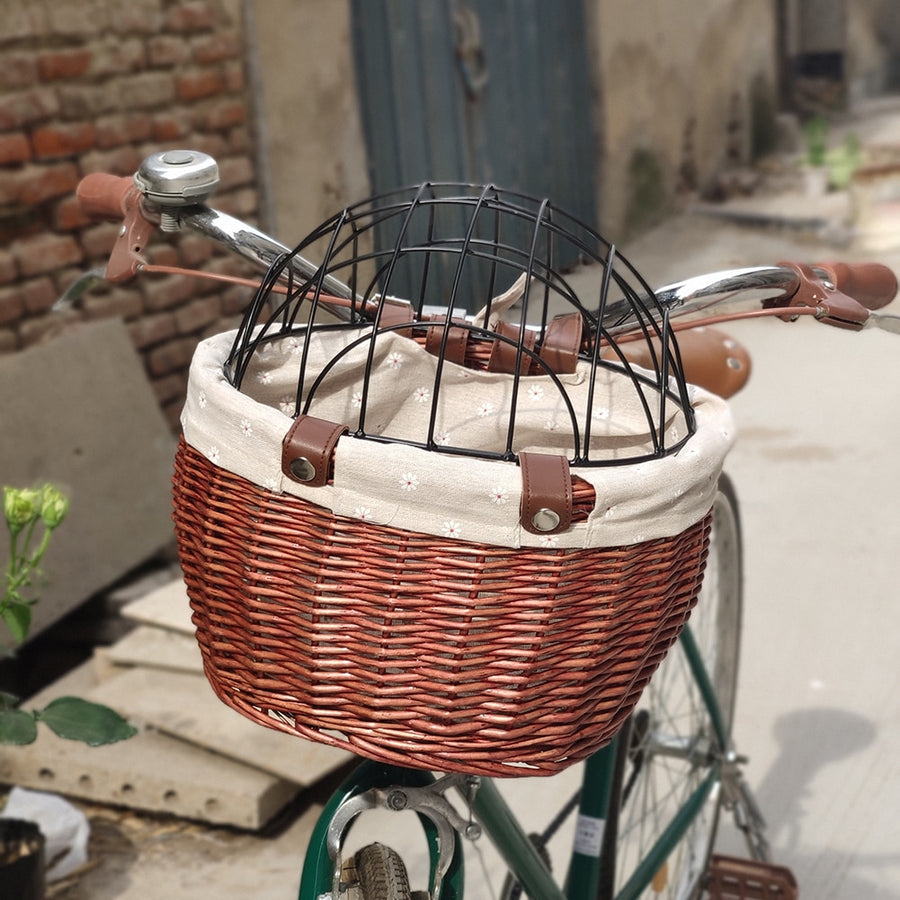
pixel 408 649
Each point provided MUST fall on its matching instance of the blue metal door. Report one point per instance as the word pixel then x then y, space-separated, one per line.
pixel 481 91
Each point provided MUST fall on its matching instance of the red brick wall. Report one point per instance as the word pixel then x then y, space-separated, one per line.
pixel 97 85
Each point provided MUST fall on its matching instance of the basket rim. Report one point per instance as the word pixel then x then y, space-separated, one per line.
pixel 656 497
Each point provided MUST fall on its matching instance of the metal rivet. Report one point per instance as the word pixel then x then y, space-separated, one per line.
pixel 178 157
pixel 545 519
pixel 735 364
pixel 302 469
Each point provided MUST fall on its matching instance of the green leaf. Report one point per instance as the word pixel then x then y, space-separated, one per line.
pixel 79 720
pixel 17 727
pixel 17 617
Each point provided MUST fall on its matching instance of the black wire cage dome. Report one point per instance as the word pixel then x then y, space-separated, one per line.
pixel 491 284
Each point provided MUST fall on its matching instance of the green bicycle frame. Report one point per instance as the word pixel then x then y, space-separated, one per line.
pixel 505 832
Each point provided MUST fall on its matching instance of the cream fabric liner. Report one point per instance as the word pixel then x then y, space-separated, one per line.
pixel 440 493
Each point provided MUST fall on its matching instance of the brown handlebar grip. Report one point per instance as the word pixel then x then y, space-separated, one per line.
pixel 871 284
pixel 102 196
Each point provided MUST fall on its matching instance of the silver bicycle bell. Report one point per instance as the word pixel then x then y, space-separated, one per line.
pixel 177 178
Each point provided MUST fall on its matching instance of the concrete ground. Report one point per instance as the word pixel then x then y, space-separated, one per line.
pixel 816 472
pixel 818 711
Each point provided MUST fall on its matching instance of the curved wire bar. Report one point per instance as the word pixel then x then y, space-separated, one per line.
pixel 482 236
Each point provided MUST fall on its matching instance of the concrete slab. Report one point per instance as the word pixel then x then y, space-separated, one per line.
pixel 183 705
pixel 165 607
pixel 151 771
pixel 78 411
pixel 157 648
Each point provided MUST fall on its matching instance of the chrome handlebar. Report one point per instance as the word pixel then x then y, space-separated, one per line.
pixel 170 188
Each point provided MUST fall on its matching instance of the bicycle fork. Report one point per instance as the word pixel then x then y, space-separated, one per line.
pixel 374 786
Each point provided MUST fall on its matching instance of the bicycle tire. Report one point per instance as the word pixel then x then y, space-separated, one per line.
pixel 381 873
pixel 651 782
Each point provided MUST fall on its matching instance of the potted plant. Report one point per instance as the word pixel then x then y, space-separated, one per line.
pixel 32 515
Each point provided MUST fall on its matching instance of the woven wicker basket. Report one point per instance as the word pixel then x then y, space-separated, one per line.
pixel 407 649
pixel 452 542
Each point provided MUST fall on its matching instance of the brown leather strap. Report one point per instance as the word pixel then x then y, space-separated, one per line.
pixel 307 449
pixel 396 313
pixel 546 493
pixel 562 341
pixel 457 340
pixel 503 354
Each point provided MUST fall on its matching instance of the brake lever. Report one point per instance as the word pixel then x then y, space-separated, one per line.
pixel 833 307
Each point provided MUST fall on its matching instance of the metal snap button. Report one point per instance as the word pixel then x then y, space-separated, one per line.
pixel 302 469
pixel 545 519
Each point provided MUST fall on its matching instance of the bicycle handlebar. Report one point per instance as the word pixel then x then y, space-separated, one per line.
pixel 840 294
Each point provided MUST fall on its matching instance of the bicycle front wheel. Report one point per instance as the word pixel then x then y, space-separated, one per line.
pixel 671 746
pixel 381 874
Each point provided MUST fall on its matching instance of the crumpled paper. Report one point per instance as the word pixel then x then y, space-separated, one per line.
pixel 65 828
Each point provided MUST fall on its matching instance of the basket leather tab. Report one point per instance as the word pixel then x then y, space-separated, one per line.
pixel 307 449
pixel 546 493
pixel 457 341
pixel 503 354
pixel 562 341
pixel 395 313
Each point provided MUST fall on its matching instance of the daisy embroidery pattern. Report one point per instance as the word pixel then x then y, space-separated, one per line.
pixel 443 438
pixel 246 428
pixel 287 405
pixel 409 481
pixel 363 512
pixel 498 495
pixel 356 399
pixel 484 409
pixel 451 529
pixel 213 455
pixel 421 394
pixel 394 360
pixel 549 540
pixel 551 425
pixel 535 392
pixel 201 399
pixel 264 378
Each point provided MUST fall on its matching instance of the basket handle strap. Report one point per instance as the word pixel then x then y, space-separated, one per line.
pixel 307 449
pixel 558 352
pixel 503 354
pixel 546 493
pixel 457 341
pixel 561 343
